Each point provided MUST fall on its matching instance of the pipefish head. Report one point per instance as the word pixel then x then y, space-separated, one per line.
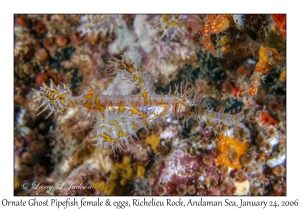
pixel 193 108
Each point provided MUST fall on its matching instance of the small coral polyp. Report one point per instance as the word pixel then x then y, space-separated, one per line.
pixel 99 24
pixel 231 149
pixel 119 117
pixel 280 21
pixel 171 25
pixel 219 24
pixel 268 58
pixel 122 173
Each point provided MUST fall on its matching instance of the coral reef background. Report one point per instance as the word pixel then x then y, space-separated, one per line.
pixel 235 62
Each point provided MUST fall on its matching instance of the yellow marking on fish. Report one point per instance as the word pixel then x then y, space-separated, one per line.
pixel 107 137
pixel 142 114
pixel 99 106
pixel 87 104
pixel 121 67
pixel 135 127
pixel 88 96
pixel 140 84
pixel 105 128
pixel 135 77
pixel 62 95
pixel 52 94
pixel 121 134
pixel 114 122
pixel 121 107
pixel 145 94
pixel 70 102
pixel 62 109
pixel 134 111
pixel 149 101
pixel 129 67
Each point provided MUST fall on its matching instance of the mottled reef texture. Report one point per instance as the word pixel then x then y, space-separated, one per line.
pixel 233 62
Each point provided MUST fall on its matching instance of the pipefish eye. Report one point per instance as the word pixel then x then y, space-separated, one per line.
pixel 192 108
pixel 146 109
